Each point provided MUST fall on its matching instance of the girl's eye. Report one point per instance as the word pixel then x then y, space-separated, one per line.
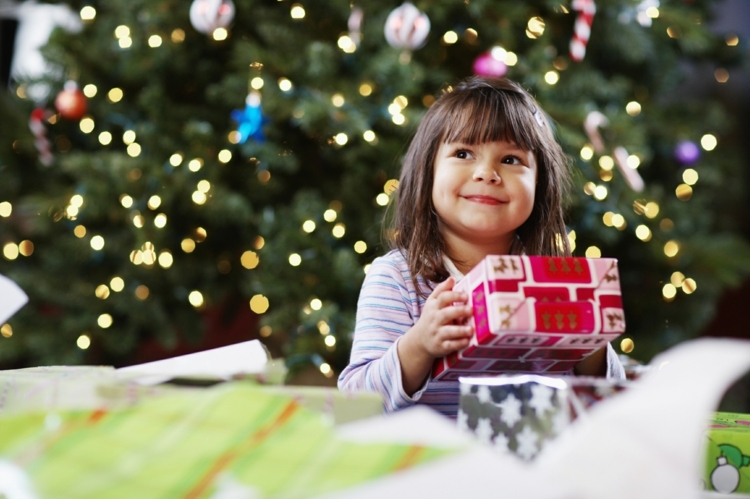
pixel 463 154
pixel 512 160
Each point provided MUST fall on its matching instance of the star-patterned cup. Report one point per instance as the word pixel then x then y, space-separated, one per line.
pixel 516 414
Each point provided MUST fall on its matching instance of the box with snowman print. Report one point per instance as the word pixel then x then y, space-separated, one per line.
pixel 536 315
pixel 727 466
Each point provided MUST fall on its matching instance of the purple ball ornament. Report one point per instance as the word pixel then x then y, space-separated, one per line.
pixel 488 64
pixel 687 152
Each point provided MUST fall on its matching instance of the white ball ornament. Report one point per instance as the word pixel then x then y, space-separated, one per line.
pixel 208 15
pixel 725 478
pixel 407 27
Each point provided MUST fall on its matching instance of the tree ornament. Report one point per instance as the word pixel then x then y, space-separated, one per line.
pixel 406 27
pixel 250 120
pixel 687 152
pixel 40 136
pixel 488 65
pixel 208 15
pixel 594 120
pixel 71 103
pixel 582 30
pixel 355 25
pixel 725 478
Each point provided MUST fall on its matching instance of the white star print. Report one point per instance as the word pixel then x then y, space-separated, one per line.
pixel 501 443
pixel 541 399
pixel 560 421
pixel 511 410
pixel 527 443
pixel 484 430
pixel 465 389
pixel 463 420
pixel 483 394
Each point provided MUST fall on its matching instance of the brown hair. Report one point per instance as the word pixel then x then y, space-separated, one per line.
pixel 476 111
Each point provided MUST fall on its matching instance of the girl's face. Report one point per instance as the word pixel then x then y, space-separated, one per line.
pixel 483 192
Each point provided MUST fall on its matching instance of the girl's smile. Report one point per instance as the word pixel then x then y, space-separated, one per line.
pixel 483 192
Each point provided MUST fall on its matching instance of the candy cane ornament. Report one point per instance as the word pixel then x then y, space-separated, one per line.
pixel 582 30
pixel 40 136
pixel 594 120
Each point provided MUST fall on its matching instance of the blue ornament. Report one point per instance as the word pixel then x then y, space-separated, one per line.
pixel 250 121
pixel 687 152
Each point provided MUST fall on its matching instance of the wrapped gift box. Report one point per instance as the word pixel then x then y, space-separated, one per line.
pixel 583 392
pixel 516 414
pixel 728 454
pixel 536 315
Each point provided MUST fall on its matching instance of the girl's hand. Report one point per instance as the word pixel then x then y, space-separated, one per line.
pixel 440 329
pixel 438 332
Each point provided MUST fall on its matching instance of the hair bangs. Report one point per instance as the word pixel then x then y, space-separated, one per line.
pixel 490 115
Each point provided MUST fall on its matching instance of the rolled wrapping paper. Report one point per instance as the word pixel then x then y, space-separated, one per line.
pixel 520 414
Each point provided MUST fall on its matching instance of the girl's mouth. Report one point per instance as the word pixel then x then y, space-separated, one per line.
pixel 476 198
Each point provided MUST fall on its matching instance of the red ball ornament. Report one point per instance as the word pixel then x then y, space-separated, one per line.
pixel 489 65
pixel 71 103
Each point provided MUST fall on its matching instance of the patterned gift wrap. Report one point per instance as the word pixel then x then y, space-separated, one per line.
pixel 586 391
pixel 536 315
pixel 516 414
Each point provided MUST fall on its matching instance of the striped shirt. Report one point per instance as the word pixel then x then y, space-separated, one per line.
pixel 388 307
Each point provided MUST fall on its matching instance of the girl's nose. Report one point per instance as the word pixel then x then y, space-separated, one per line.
pixel 486 174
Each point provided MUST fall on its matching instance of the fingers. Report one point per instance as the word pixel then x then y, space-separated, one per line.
pixel 446 285
pixel 450 297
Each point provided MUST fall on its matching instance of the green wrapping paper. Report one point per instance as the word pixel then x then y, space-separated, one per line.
pixel 193 443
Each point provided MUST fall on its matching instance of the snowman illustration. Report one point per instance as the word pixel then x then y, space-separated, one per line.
pixel 725 478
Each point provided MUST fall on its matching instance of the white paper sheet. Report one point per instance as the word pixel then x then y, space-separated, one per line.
pixel 249 357
pixel 12 298
pixel 644 443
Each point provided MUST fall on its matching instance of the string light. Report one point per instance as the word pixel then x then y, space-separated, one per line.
pixel 117 284
pixel 600 192
pixel 26 248
pixel 297 11
pixel 511 59
pixel 115 95
pixel 330 215
pixel 97 243
pixel 134 150
pixel 128 137
pixel 709 142
pixel 259 242
pixel 195 164
pixel 154 202
pixel 79 231
pixel 259 304
pixel 295 259
pixel 10 251
pixel 337 100
pixel 175 159
pixel 220 34
pixel 338 230
pixel 200 234
pixel 593 252
pixel 652 209
pixel 366 268
pixel 249 260
pixel 677 278
pixel 341 138
pixel 154 41
pixel 265 331
pixel 257 83
pixel 690 176
pixel 330 341
pixel 160 221
pixel 382 199
pixel 360 247
pixel 551 77
pixel 671 248
pixel 195 298
pixel 669 292
pixel 122 31
pixel 633 108
pixel 308 226
pixel 325 368
pixel 187 245
pixel 683 192
pixel 450 37
pixel 398 119
pixel 6 331
pixel 88 13
pixel 83 342
pixel 643 233
pixel 225 156
pixel 86 124
pixel 102 291
pixel 627 345
pixel 324 328
pixel 316 304
pixel 165 259
pixel 104 321
pixel 138 220
pixel 199 197
pixel 369 136
pixel 606 162
pixel 365 89
pixel 285 85
pixel 141 292
pixel 535 27
pixel 5 209
pixel 178 35
pixel 105 138
pixel 633 161
pixel 204 186
pixel 689 286
pixel 587 152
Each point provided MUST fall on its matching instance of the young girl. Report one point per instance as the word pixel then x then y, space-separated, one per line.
pixel 482 176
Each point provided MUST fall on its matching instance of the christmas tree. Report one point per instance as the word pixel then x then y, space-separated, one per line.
pixel 240 156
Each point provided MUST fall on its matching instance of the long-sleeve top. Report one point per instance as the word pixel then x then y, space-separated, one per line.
pixel 388 307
